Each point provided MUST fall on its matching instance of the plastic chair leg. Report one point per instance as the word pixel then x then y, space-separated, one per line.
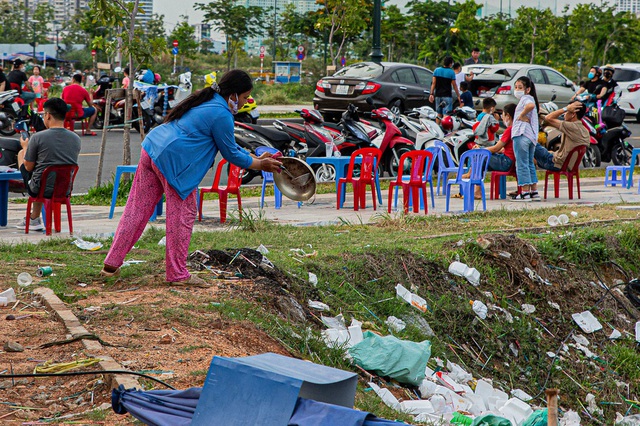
pixel 546 184
pixel 264 185
pixel 223 206
pixel 433 201
pixel 57 212
pixel 556 185
pixel 114 193
pixel 68 204
pixel 395 204
pixel 200 206
pixel 578 184
pixel 49 209
pixel 570 184
pixel 278 197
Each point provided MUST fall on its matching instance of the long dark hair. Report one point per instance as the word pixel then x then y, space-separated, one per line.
pixel 528 84
pixel 234 81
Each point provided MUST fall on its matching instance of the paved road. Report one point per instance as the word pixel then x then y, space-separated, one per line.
pixel 90 151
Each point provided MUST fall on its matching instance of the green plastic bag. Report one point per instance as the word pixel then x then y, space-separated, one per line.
pixel 537 418
pixel 490 420
pixel 402 360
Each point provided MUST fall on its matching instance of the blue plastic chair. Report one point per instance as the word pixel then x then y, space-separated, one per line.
pixel 267 177
pixel 116 184
pixel 428 178
pixel 477 160
pixel 634 155
pixel 446 165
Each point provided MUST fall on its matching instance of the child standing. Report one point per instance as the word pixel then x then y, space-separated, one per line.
pixel 36 81
pixel 466 99
pixel 525 135
pixel 487 125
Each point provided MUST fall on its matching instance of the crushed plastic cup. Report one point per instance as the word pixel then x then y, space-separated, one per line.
pixel 319 306
pixel 24 279
pixel 87 245
pixel 163 241
pixel 574 214
pixel 553 220
pixel 563 219
pixel 395 324
pixel 479 308
pixel 9 294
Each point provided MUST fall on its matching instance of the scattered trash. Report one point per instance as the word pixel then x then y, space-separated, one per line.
pixel 263 250
pixel 82 284
pixel 3 301
pixel 411 298
pixel 574 214
pixel 563 219
pixel 12 347
pixel 537 418
pixel 516 410
pixel 570 418
pixel 638 332
pixel 167 339
pixel 483 242
pixel 615 334
pixel 163 241
pixel 505 254
pixel 9 294
pixel 514 349
pixel 592 406
pixel 479 308
pixel 301 253
pixel 458 373
pixel 520 394
pixel 491 420
pixel 44 271
pixel 420 323
pixel 395 324
pixel 24 279
pixel 133 262
pixel 334 322
pixel 580 339
pixel 313 279
pixel 319 306
pixel 528 309
pixel 460 269
pixel 402 360
pixel 12 317
pixel 339 335
pixel 551 355
pixel 533 275
pixel 554 305
pixel 553 220
pixel 86 245
pixel 633 420
pixel 588 323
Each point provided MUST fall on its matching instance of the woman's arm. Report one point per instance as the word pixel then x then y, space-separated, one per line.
pixel 525 112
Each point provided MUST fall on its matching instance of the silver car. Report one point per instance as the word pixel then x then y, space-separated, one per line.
pixel 498 80
pixel 628 78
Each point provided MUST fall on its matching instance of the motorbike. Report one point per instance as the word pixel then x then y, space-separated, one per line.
pixel 390 141
pixel 105 83
pixel 11 105
pixel 248 113
pixel 311 139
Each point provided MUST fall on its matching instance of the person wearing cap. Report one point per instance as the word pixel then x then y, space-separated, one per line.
pixel 3 81
pixel 608 84
pixel 175 158
pixel 18 77
pixel 590 86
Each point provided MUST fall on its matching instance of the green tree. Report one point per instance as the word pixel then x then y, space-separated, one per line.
pixel 155 27
pixel 236 21
pixel 186 36
pixel 395 34
pixel 9 31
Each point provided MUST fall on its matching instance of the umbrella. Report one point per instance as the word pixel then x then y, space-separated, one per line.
pixel 176 408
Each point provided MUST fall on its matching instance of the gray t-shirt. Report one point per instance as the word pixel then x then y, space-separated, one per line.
pixel 51 147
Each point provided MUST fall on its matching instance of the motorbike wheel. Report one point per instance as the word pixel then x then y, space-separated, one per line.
pixel 10 128
pixel 591 157
pixel 392 163
pixel 324 172
pixel 621 154
pixel 395 106
pixel 99 122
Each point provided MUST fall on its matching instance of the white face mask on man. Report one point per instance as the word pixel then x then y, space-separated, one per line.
pixel 233 105
pixel 518 93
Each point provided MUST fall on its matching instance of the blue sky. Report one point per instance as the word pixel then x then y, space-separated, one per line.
pixel 172 9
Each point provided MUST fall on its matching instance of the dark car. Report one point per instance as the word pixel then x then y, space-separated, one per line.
pixel 396 85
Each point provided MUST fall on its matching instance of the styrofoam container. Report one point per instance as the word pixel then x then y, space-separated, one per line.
pixel 418 406
pixel 355 335
pixel 473 276
pixel 516 410
pixel 10 294
pixel 3 301
pixel 458 268
pixel 587 322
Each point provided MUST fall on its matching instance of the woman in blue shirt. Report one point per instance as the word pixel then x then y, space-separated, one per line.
pixel 175 157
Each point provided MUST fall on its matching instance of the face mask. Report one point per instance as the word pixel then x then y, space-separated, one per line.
pixel 234 105
pixel 518 93
pixel 608 74
pixel 591 75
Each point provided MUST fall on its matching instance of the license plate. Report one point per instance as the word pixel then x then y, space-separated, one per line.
pixel 254 113
pixel 15 107
pixel 342 89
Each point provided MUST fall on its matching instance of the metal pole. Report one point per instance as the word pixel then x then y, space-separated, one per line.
pixel 275 19
pixel 34 40
pixel 376 54
pixel 57 49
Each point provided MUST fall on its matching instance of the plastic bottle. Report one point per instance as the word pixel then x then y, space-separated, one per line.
pixel 479 308
pixel 461 419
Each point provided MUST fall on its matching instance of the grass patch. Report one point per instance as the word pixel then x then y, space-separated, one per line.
pixel 283 94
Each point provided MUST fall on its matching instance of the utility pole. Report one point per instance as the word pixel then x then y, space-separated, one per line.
pixel 34 22
pixel 275 19
pixel 376 54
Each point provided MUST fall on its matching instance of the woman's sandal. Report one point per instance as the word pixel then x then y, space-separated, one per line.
pixel 457 196
pixel 108 274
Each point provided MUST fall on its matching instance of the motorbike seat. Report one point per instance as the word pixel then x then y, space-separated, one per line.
pixel 274 135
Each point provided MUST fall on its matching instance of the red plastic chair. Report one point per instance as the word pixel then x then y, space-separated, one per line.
pixel 368 169
pixel 570 168
pixel 45 96
pixel 234 181
pixel 420 160
pixel 70 121
pixel 62 187
pixel 496 191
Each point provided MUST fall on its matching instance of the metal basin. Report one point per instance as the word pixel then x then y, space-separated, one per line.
pixel 300 189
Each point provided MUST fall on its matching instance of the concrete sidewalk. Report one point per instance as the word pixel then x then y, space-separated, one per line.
pixel 93 220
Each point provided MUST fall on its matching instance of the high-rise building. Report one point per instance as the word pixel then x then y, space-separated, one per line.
pixel 146 8
pixel 628 6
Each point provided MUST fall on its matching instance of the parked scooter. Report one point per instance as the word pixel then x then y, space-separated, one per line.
pixel 11 105
pixel 105 83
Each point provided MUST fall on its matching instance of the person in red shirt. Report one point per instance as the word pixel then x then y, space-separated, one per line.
pixel 74 95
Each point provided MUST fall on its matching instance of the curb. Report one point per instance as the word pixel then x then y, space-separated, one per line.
pixel 94 348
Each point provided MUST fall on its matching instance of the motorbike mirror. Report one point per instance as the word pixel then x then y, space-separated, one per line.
pixel 553 98
pixel 117 69
pixel 369 100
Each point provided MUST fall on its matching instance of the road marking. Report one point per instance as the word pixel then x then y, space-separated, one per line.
pixel 87 154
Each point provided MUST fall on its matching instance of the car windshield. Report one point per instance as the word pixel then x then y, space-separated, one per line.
pixel 626 75
pixel 362 70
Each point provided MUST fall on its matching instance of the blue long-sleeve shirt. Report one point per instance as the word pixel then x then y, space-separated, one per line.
pixel 185 149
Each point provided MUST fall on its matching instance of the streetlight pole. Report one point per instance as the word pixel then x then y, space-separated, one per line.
pixel 275 19
pixel 376 54
pixel 34 22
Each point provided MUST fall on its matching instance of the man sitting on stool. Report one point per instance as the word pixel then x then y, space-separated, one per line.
pixel 51 147
pixel 573 134
pixel 74 94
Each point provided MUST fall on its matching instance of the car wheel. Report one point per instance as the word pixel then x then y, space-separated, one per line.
pixel 591 157
pixel 638 116
pixel 396 107
pixel 99 122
